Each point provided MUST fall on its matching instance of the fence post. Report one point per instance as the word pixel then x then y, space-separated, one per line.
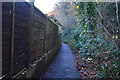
pixel 12 45
pixel 44 36
pixel 0 38
pixel 30 31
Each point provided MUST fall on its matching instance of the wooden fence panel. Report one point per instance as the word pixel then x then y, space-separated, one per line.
pixel 21 24
pixel 16 32
pixel 37 39
pixel 6 37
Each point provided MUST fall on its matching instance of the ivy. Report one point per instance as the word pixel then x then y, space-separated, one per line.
pixel 93 42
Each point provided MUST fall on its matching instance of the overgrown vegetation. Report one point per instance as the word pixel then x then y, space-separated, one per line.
pixel 97 52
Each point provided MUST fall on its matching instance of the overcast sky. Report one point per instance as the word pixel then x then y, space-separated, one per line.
pixel 45 5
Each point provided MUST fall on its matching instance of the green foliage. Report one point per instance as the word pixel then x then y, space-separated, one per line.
pixel 67 38
pixel 91 40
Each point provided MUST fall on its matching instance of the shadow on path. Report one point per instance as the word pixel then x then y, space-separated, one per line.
pixel 63 65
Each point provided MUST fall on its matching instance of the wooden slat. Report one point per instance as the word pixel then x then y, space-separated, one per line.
pixel 6 37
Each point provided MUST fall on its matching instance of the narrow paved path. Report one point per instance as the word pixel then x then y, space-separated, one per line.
pixel 63 65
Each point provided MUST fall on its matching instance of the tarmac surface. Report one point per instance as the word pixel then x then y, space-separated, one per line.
pixel 63 65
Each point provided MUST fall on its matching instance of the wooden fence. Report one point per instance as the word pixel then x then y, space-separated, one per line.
pixel 27 35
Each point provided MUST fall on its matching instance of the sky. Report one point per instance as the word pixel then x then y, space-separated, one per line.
pixel 45 6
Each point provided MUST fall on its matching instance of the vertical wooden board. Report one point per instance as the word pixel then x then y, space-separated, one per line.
pixel 48 48
pixel 34 39
pixel 41 38
pixel 41 24
pixel 51 37
pixel 40 46
pixel 0 38
pixel 54 35
pixel 47 36
pixel 37 35
pixel 6 36
pixel 50 41
pixel 33 52
pixel 21 25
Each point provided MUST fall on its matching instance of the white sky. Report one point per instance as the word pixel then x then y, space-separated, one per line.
pixel 45 5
